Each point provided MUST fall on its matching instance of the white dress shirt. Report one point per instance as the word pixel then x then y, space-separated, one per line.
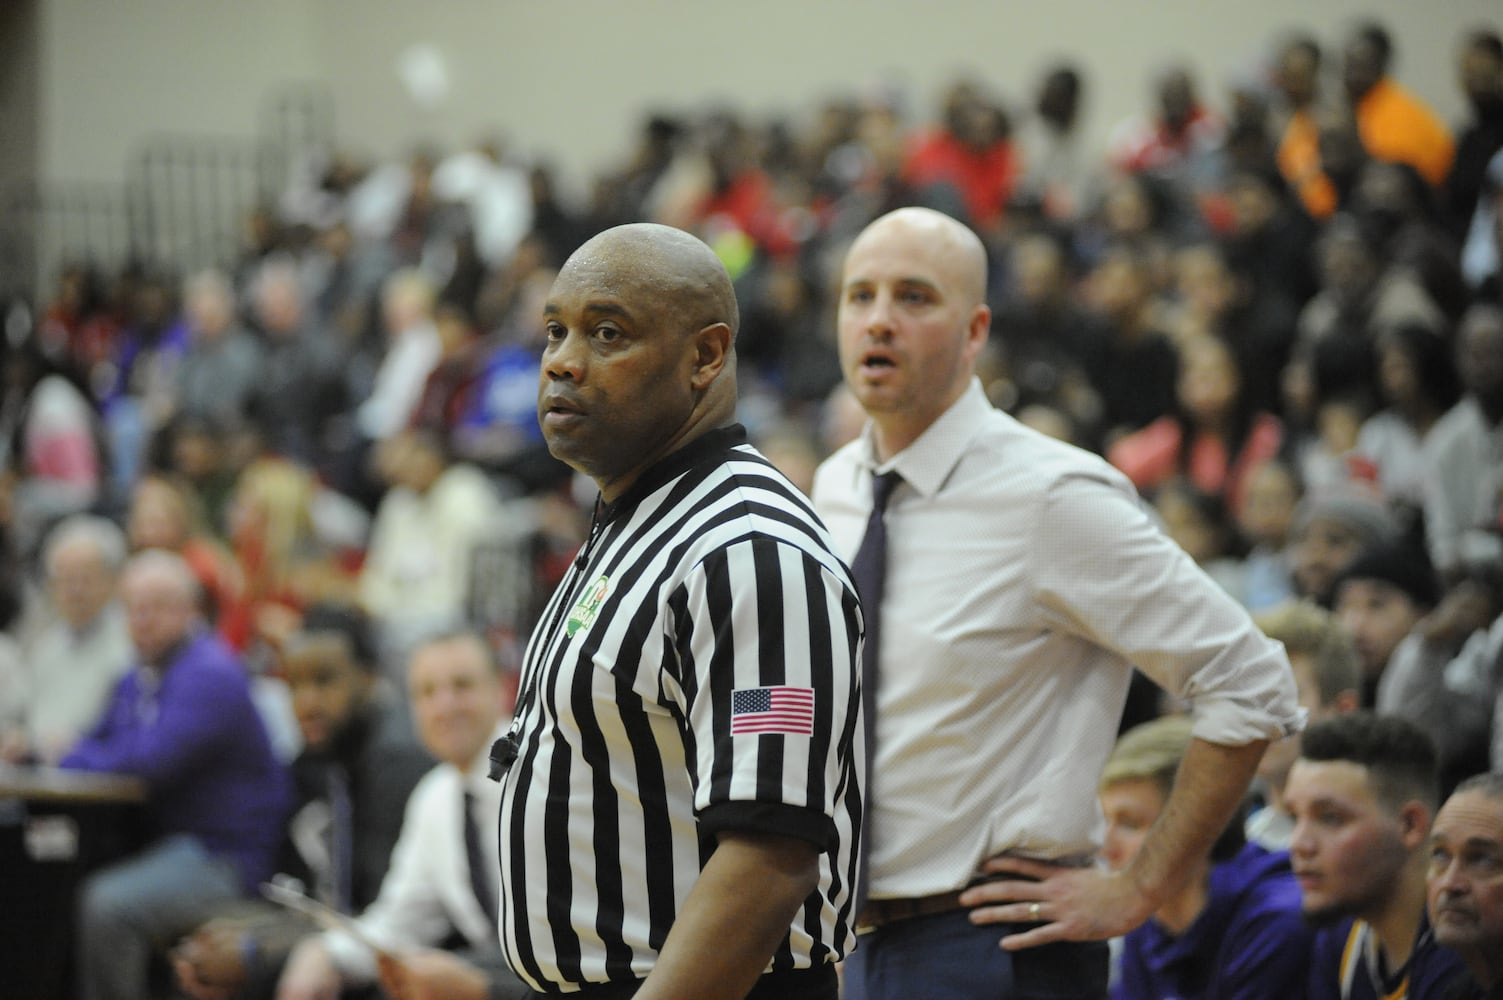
pixel 411 358
pixel 427 890
pixel 1024 580
pixel 70 677
pixel 418 565
pixel 1464 488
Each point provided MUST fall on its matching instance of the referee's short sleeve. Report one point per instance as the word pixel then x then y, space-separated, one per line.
pixel 766 619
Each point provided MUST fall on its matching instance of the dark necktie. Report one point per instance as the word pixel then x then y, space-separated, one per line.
pixel 341 841
pixel 868 570
pixel 480 883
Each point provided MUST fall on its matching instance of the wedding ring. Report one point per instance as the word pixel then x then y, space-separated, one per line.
pixel 1033 911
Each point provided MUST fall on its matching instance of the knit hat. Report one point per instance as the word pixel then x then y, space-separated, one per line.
pixel 1359 508
pixel 1400 565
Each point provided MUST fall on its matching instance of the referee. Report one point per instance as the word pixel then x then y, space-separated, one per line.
pixel 681 781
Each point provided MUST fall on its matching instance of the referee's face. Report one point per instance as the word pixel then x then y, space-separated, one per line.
pixel 617 388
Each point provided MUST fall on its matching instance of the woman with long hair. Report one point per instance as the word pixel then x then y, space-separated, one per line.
pixel 1213 436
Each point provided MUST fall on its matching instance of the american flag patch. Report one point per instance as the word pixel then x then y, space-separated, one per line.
pixel 784 711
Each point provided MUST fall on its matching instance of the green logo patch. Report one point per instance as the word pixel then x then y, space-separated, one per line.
pixel 583 615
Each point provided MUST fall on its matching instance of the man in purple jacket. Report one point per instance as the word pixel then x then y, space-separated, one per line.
pixel 183 722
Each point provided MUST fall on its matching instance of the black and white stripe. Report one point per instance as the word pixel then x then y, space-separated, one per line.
pixel 720 577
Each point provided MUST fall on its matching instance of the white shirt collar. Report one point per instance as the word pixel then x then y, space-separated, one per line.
pixel 928 461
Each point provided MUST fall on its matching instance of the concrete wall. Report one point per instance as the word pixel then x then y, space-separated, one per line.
pixel 117 72
pixel 20 89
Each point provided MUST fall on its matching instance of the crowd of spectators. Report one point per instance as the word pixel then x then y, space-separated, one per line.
pixel 1279 313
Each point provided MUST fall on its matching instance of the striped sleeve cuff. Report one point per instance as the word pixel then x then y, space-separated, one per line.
pixel 775 818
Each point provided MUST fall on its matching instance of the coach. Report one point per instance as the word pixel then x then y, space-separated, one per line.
pixel 679 818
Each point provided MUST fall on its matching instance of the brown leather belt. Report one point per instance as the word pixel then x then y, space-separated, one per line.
pixel 878 913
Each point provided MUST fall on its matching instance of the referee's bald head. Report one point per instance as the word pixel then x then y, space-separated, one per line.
pixel 641 324
pixel 674 267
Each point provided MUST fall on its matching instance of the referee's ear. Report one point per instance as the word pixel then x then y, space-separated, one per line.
pixel 712 353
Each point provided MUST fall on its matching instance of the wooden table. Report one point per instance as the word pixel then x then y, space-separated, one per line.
pixel 53 784
pixel 55 827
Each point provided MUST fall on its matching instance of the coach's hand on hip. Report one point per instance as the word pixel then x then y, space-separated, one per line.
pixel 1066 904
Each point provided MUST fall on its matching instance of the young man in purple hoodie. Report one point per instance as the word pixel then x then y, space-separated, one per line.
pixel 1235 931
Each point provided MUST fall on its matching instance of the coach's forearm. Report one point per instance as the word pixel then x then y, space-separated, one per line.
pixel 736 915
pixel 1212 780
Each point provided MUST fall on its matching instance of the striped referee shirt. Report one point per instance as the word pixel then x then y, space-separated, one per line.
pixel 696 671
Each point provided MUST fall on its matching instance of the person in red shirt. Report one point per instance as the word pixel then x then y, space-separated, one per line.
pixel 973 153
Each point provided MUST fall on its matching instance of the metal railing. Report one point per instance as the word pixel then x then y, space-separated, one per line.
pixel 182 205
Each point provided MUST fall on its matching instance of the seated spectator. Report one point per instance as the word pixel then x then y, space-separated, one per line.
pixel 1360 295
pixel 1329 680
pixel 1039 331
pixel 1057 169
pixel 1212 437
pixel 719 184
pixel 1482 251
pixel 1363 793
pixel 418 567
pixel 1445 678
pixel 1379 598
pixel 1394 124
pixel 1270 251
pixel 496 192
pixel 302 388
pixel 203 457
pixel 162 515
pixel 972 156
pixel 412 350
pixel 1297 76
pixel 1342 155
pixel 1465 886
pixel 441 879
pixel 397 206
pixel 1198 523
pixel 288 550
pixel 1481 73
pixel 1137 211
pixel 357 768
pixel 138 400
pixel 1464 498
pixel 78 323
pixel 1402 214
pixel 1203 295
pixel 50 445
pixel 73 665
pixel 183 722
pixel 1331 526
pixel 1418 383
pixel 450 391
pixel 1342 370
pixel 1270 498
pixel 1177 141
pixel 1132 364
pixel 222 367
pixel 1235 930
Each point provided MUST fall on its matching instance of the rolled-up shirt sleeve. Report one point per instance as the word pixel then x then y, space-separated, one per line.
pixel 1104 571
